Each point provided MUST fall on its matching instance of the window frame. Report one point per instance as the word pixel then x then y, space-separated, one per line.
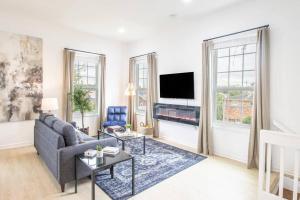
pixel 215 89
pixel 140 60
pixel 86 59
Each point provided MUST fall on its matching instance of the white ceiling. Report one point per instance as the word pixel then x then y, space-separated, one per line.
pixel 137 18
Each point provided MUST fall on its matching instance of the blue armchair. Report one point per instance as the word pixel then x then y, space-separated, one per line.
pixel 116 116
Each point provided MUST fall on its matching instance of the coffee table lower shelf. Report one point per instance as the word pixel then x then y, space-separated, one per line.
pixel 96 165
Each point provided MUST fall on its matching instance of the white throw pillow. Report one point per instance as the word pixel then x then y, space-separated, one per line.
pixel 79 136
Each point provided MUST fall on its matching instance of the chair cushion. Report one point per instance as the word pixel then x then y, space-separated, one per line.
pixel 117 113
pixel 49 120
pixel 114 123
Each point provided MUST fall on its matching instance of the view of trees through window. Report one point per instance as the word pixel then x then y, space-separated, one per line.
pixel 235 80
pixel 142 85
pixel 85 74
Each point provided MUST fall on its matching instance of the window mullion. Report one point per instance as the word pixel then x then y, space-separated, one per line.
pixel 237 96
pixel 242 97
pixel 229 60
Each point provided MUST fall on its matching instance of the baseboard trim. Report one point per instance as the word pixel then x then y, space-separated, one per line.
pixel 193 148
pixel 15 145
pixel 232 157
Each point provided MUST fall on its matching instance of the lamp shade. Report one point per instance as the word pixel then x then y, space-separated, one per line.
pixel 130 90
pixel 49 104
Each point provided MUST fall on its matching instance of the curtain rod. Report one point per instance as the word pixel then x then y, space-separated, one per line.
pixel 251 29
pixel 143 55
pixel 99 54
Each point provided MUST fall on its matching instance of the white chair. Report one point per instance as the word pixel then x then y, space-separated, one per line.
pixel 269 139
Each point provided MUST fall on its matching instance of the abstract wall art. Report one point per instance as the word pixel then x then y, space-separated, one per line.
pixel 21 77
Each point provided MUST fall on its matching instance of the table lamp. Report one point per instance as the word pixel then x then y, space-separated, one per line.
pixel 49 104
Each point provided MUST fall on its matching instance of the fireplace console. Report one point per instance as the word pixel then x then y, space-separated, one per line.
pixel 177 113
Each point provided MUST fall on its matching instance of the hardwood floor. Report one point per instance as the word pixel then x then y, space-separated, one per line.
pixel 23 175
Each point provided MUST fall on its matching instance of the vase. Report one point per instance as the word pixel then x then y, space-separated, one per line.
pixel 99 154
pixel 99 161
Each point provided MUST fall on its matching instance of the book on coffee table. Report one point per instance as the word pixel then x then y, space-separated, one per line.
pixel 113 129
pixel 111 150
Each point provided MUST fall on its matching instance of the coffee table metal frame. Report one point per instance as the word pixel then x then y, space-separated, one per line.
pixel 112 160
pixel 125 138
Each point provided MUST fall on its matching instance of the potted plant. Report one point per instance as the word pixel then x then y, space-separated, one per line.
pixel 82 103
pixel 128 128
pixel 99 151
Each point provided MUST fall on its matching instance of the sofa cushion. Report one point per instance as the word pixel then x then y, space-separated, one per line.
pixel 73 123
pixel 67 131
pixel 114 123
pixel 87 138
pixel 69 135
pixel 58 126
pixel 49 120
pixel 79 136
pixel 43 116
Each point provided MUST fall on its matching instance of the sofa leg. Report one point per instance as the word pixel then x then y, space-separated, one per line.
pixel 62 187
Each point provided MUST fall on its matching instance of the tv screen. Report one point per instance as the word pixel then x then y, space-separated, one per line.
pixel 180 86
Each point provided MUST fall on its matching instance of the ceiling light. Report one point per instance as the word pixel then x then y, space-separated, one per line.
pixel 186 1
pixel 121 30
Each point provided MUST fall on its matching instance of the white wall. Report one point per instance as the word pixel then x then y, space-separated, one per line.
pixel 55 39
pixel 179 49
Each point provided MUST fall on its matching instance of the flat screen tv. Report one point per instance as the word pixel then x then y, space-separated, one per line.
pixel 179 86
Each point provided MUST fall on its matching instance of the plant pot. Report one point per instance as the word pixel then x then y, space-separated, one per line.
pixel 128 130
pixel 85 130
pixel 99 154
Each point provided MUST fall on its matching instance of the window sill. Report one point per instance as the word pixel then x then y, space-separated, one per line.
pixel 76 115
pixel 227 125
pixel 140 113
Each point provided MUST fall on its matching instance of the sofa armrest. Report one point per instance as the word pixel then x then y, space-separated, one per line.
pixel 66 158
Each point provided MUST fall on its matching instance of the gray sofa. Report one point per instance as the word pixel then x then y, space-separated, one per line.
pixel 57 142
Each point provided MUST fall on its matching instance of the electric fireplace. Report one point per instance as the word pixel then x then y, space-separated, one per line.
pixel 177 113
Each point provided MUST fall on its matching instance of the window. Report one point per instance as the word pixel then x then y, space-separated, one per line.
pixel 141 84
pixel 86 74
pixel 234 80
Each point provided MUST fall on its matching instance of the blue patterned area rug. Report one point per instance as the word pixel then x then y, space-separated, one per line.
pixel 160 162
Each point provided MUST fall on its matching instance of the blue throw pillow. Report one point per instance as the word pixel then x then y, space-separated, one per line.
pixel 49 120
pixel 70 135
pixel 43 116
pixel 67 131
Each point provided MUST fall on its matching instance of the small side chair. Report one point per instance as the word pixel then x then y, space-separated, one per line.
pixel 116 116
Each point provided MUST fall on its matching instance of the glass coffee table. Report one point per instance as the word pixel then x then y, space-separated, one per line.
pixel 126 137
pixel 96 165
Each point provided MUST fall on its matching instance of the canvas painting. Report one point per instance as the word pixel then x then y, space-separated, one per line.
pixel 21 77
